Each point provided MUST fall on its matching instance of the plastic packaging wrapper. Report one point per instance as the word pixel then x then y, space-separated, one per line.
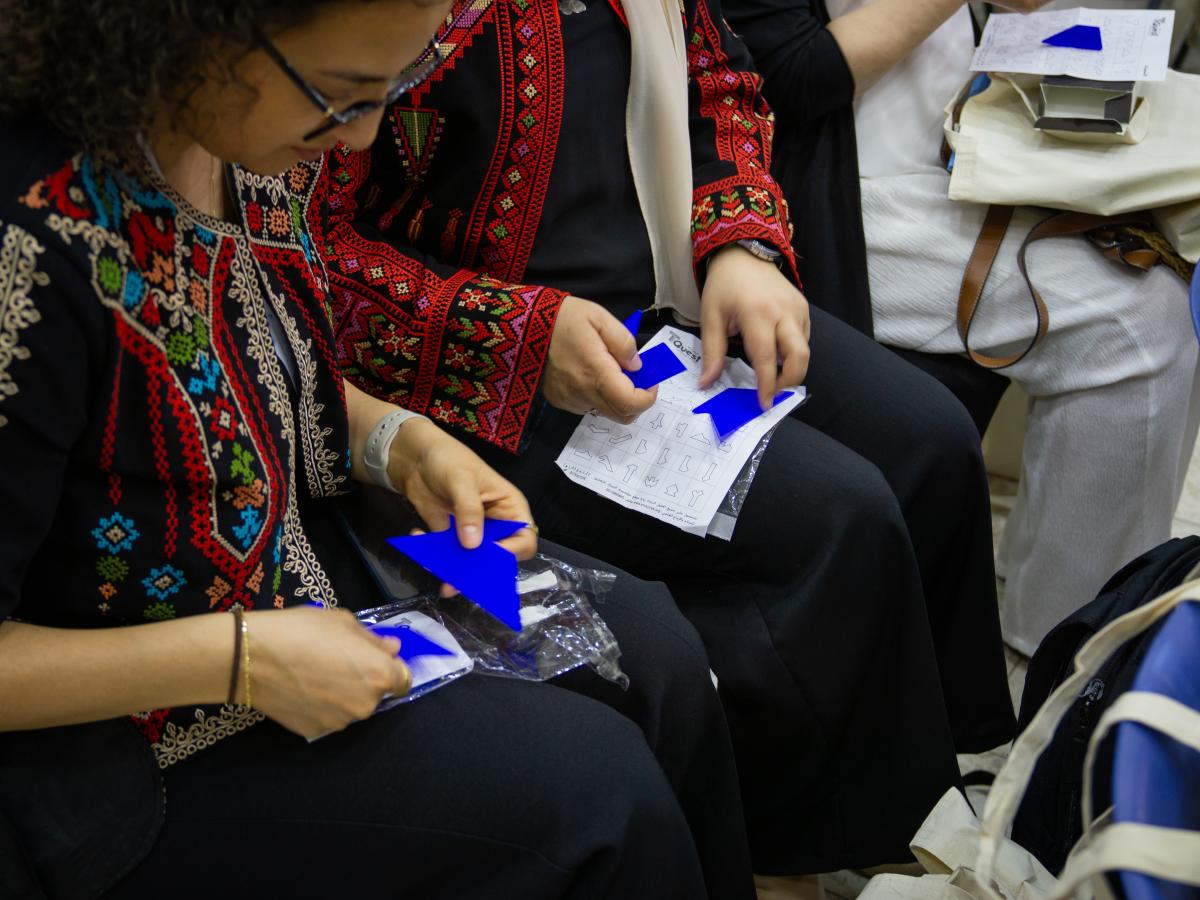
pixel 724 521
pixel 560 628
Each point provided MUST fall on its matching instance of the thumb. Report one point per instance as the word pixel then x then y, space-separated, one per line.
pixel 619 342
pixel 468 511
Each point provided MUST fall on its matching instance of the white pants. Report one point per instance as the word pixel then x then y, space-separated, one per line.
pixel 1113 386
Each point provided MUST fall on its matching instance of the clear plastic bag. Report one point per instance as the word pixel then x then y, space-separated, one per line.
pixel 726 517
pixel 560 628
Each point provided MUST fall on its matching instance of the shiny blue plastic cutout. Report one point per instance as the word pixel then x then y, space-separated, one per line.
pixel 487 575
pixel 412 643
pixel 734 407
pixel 1077 37
pixel 658 364
pixel 634 322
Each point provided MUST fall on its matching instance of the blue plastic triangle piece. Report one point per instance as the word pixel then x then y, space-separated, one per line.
pixel 1077 37
pixel 658 364
pixel 634 322
pixel 734 407
pixel 496 529
pixel 412 643
pixel 487 575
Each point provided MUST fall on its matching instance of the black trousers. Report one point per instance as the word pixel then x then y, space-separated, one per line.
pixel 852 620
pixel 487 788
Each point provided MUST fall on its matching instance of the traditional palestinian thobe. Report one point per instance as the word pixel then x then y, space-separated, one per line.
pixel 851 619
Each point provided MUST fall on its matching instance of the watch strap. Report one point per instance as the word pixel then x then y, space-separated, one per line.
pixel 379 444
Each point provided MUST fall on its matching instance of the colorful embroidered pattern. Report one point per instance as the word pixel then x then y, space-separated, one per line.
pixel 532 79
pixel 745 203
pixel 197 436
pixel 18 276
pixel 479 372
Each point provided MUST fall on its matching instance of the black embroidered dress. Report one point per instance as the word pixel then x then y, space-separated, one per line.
pixel 152 445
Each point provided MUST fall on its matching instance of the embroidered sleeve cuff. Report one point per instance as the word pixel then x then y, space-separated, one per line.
pixel 479 376
pixel 732 210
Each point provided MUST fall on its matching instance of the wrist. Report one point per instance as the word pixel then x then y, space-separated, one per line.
pixel 408 449
pixel 378 457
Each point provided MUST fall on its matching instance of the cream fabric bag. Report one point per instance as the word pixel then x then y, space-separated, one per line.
pixel 1001 159
pixel 971 860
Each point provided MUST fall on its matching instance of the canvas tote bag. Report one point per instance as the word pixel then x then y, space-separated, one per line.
pixel 1001 159
pixel 971 860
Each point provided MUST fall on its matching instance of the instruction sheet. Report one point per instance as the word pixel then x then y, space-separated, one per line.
pixel 670 463
pixel 1136 44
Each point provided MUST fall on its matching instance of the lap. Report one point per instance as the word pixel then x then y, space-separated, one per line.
pixel 448 796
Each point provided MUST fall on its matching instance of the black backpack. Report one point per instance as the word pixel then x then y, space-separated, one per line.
pixel 1049 821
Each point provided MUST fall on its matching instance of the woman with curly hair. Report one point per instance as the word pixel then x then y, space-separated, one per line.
pixel 172 430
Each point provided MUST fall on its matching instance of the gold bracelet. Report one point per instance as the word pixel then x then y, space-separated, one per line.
pixel 249 701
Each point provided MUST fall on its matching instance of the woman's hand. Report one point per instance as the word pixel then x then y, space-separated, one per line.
pixel 748 296
pixel 315 671
pixel 441 477
pixel 590 351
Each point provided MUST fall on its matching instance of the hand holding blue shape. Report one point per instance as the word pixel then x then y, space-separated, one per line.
pixel 487 575
pixel 658 364
pixel 1077 37
pixel 412 643
pixel 734 407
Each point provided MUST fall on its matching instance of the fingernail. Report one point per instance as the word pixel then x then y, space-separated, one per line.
pixel 470 533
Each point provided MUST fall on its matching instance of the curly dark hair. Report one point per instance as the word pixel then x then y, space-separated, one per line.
pixel 97 69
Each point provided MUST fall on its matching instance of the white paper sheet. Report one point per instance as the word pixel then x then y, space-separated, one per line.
pixel 430 672
pixel 1136 44
pixel 669 463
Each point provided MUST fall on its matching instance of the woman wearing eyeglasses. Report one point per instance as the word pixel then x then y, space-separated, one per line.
pixel 172 424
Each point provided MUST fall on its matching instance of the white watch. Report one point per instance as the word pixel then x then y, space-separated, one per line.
pixel 379 443
pixel 765 252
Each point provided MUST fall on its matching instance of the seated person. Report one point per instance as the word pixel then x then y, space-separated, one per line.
pixel 172 427
pixel 851 620
pixel 1113 416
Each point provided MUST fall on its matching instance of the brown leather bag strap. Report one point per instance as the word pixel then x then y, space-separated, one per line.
pixel 983 256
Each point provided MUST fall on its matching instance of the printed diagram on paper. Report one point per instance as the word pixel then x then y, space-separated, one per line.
pixel 1136 44
pixel 669 463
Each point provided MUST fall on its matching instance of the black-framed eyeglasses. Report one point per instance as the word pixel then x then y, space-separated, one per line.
pixel 421 68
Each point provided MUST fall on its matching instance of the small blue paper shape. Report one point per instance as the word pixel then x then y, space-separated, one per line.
pixel 412 643
pixel 487 575
pixel 1077 37
pixel 658 364
pixel 634 322
pixel 734 407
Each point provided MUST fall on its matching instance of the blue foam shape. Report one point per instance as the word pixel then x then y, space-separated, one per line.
pixel 658 364
pixel 1156 780
pixel 734 407
pixel 497 529
pixel 412 643
pixel 487 575
pixel 1195 301
pixel 1077 37
pixel 634 322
